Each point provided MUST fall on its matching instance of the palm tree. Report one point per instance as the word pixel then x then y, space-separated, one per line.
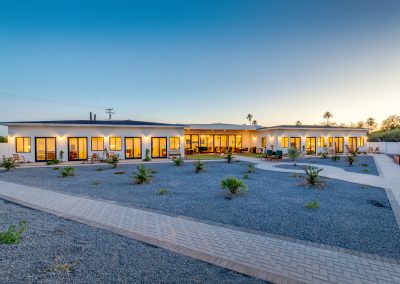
pixel 254 122
pixel 327 115
pixel 298 123
pixel 371 123
pixel 249 117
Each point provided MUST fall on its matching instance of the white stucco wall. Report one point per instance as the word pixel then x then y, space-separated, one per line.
pixel 63 132
pixel 4 150
pixel 386 147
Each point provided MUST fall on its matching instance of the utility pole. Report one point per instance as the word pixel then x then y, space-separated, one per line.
pixel 110 112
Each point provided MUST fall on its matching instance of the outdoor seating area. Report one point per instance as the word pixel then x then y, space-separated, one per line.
pixel 271 155
pixel 16 158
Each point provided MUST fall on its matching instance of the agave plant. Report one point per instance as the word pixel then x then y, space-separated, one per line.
pixel 233 184
pixel 199 167
pixel 178 162
pixel 68 172
pixel 312 174
pixel 143 175
pixel 8 164
pixel 114 160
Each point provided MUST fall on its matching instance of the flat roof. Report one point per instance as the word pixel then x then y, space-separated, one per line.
pixel 290 127
pixel 92 122
pixel 222 126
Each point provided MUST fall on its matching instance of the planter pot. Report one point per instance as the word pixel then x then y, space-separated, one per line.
pixel 397 159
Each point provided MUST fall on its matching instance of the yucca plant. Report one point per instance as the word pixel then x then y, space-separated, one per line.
pixel 251 168
pixel 312 175
pixel 199 167
pixel 229 157
pixel 8 164
pixel 350 159
pixel 178 162
pixel 114 160
pixel 233 184
pixel 68 172
pixel 143 175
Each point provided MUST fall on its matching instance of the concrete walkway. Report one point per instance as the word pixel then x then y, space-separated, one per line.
pixel 269 257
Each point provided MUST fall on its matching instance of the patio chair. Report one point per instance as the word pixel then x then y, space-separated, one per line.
pixel 18 159
pixel 267 156
pixel 376 150
pixel 94 158
pixel 278 155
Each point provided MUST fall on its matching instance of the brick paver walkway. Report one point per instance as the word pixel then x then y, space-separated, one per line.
pixel 275 259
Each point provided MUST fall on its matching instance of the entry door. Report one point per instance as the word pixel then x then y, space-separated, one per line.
pixel 77 148
pixel 311 145
pixel 159 147
pixel 352 144
pixel 339 144
pixel 295 142
pixel 133 147
pixel 45 149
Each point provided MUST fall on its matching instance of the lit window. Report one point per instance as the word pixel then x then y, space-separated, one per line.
pixel 174 143
pixel 285 142
pixel 330 141
pixel 115 144
pixel 361 141
pixel 264 142
pixel 97 143
pixel 23 144
pixel 321 141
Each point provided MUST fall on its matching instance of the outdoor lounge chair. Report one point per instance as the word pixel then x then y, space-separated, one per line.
pixel 94 158
pixel 278 155
pixel 18 159
pixel 267 156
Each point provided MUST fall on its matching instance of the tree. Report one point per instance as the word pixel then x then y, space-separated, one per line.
pixel 293 154
pixel 392 122
pixel 360 124
pixel 298 123
pixel 327 115
pixel 254 122
pixel 249 117
pixel 3 139
pixel 371 123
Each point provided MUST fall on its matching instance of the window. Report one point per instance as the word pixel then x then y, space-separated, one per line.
pixel 174 143
pixel 321 141
pixel 115 144
pixel 97 143
pixel 263 142
pixel 330 141
pixel 284 142
pixel 361 142
pixel 23 144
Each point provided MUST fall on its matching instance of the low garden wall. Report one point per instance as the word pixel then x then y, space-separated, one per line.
pixel 3 150
pixel 386 147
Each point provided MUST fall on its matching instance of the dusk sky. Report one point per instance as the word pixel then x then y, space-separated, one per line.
pixel 200 61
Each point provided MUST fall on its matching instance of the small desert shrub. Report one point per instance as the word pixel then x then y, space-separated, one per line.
pixel 365 186
pixel 68 172
pixel 251 168
pixel 61 155
pixel 324 155
pixel 143 175
pixel 350 159
pixel 295 175
pixel 7 164
pixel 245 176
pixel 229 157
pixel 312 175
pixel 178 162
pixel 335 158
pixel 312 204
pixel 114 160
pixel 364 165
pixel 147 157
pixel 365 170
pixel 163 191
pixel 119 172
pixel 199 167
pixel 99 169
pixel 293 153
pixel 233 185
pixel 64 267
pixel 55 168
pixel 97 182
pixel 13 234
pixel 53 162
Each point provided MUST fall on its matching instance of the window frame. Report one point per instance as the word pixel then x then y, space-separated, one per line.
pixel 115 143
pixel 361 141
pixel 23 144
pixel 172 144
pixel 319 139
pixel 91 144
pixel 284 144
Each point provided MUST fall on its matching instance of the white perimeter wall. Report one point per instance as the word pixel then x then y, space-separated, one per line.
pixel 386 147
pixel 4 150
pixel 63 132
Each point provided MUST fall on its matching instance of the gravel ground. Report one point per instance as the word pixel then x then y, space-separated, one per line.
pixel 274 203
pixel 362 164
pixel 103 257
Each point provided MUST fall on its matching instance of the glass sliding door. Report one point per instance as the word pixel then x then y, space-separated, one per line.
pixel 231 143
pixel 339 144
pixel 352 144
pixel 217 143
pixel 311 145
pixel 295 142
pixel 159 147
pixel 45 149
pixel 223 143
pixel 238 144
pixel 77 148
pixel 133 148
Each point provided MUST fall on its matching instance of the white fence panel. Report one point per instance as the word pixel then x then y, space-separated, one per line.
pixel 386 147
pixel 4 150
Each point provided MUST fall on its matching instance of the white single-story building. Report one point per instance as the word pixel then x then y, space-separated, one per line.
pixel 42 141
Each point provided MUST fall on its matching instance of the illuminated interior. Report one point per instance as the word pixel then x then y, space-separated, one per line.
pixel 45 148
pixel 133 147
pixel 77 148
pixel 159 147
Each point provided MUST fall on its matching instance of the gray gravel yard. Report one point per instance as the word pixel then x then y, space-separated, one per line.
pixel 275 202
pixel 363 164
pixel 101 256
